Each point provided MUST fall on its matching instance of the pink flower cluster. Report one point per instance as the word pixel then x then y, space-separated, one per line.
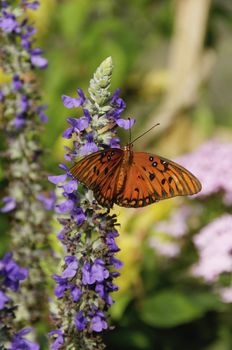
pixel 214 243
pixel 212 164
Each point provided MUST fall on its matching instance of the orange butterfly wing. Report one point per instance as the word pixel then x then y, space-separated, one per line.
pixel 99 172
pixel 151 178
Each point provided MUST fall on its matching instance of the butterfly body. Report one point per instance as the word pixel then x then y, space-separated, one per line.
pixel 133 179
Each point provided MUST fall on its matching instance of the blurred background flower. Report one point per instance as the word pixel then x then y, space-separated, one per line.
pixel 173 64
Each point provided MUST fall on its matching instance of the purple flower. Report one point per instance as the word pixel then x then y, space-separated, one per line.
pixel 64 207
pixel 24 104
pixel 31 5
pixel 8 23
pixel 16 83
pixel 59 340
pixel 90 146
pixel 117 263
pixel 56 179
pixel 79 216
pixel 101 290
pixel 125 123
pixel 77 125
pixel 98 322
pixel 70 186
pixel 19 121
pixel 95 272
pixel 1 95
pixel 114 142
pixel 9 204
pixel 98 270
pixel 118 104
pixel 3 300
pixel 111 242
pixel 71 269
pixel 20 343
pixel 80 321
pixel 48 201
pixel 36 59
pixel 76 293
pixel 11 272
pixel 115 96
pixel 71 102
pixel 40 111
pixel 62 286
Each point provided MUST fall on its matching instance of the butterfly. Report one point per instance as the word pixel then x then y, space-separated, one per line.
pixel 133 179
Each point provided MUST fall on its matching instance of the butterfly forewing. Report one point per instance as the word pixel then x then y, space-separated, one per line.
pixel 151 178
pixel 98 171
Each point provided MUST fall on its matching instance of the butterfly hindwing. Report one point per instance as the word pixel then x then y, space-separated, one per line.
pixel 151 178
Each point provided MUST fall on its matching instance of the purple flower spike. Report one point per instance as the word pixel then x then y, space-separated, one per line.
pixel 89 231
pixel 80 321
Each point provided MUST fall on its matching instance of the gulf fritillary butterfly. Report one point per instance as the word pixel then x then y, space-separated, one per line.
pixel 133 179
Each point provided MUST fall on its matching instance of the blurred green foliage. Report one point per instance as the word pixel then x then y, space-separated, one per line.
pixel 159 306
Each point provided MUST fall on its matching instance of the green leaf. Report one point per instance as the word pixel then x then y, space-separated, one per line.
pixel 168 309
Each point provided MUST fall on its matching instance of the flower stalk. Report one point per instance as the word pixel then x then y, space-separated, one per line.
pixel 24 194
pixel 88 232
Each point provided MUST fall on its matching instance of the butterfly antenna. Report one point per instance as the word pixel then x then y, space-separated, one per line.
pixel 144 133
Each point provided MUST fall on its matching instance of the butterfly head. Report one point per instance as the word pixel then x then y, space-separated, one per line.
pixel 128 147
